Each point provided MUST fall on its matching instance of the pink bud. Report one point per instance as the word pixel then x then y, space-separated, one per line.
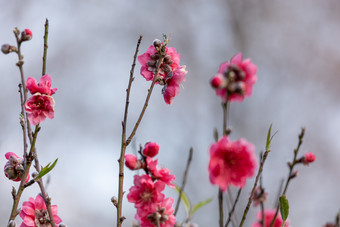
pixel 151 149
pixel 309 158
pixel 26 35
pixel 130 161
pixel 217 81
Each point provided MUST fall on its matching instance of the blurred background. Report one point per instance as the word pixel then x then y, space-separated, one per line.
pixel 295 45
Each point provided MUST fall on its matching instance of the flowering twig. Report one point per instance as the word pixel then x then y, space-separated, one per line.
pixel 291 175
pixel 269 138
pixel 29 160
pixel 184 180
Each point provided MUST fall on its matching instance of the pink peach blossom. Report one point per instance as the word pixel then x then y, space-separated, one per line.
pixel 165 211
pixel 150 59
pixel 38 107
pixel 26 35
pixel 14 167
pixel 151 149
pixel 268 217
pixel 171 87
pixel 162 174
pixel 145 193
pixel 34 213
pixel 43 87
pixel 231 163
pixel 240 76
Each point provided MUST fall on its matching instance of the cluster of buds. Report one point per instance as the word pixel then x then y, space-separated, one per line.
pixel 14 167
pixel 25 36
pixel 235 79
pixel 163 61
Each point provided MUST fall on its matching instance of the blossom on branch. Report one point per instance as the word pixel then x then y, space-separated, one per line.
pixel 170 73
pixel 151 149
pixel 235 79
pixel 268 217
pixel 14 167
pixel 163 211
pixel 145 193
pixel 34 213
pixel 43 87
pixel 231 163
pixel 158 173
pixel 38 107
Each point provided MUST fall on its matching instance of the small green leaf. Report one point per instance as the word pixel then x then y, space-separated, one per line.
pixel 46 170
pixel 269 137
pixel 185 199
pixel 199 205
pixel 284 208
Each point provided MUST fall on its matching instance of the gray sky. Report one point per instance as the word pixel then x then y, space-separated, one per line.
pixel 91 45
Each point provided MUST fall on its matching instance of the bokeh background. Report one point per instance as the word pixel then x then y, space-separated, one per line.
pixel 295 45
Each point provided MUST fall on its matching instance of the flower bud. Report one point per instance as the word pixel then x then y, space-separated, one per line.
pixel 151 149
pixel 308 158
pixel 114 200
pixel 26 35
pixel 157 43
pixel 166 68
pixel 6 48
pixel 62 225
pixel 218 81
pixel 130 161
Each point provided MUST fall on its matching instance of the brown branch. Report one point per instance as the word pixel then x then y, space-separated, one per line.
pixel 124 145
pixel 233 208
pixel 184 179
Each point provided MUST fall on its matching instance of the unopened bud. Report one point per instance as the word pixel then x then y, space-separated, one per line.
pixel 34 174
pixel 6 48
pixel 166 68
pixel 151 149
pixel 151 63
pixel 157 43
pixel 218 81
pixel 26 35
pixel 62 225
pixel 114 200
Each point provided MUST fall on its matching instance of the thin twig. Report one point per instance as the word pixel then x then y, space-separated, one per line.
pixel 124 145
pixel 261 200
pixel 45 48
pixel 184 180
pixel 233 208
pixel 290 174
pixel 29 160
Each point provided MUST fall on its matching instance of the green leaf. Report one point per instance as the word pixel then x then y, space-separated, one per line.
pixel 199 205
pixel 46 170
pixel 185 199
pixel 284 208
pixel 269 137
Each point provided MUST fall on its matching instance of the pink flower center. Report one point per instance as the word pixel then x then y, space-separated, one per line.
pixel 146 196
